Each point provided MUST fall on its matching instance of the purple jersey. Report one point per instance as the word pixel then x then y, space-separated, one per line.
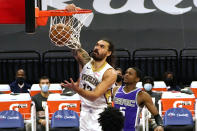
pixel 127 103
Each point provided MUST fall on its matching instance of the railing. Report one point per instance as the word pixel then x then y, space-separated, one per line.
pixel 59 65
pixel 123 58
pixel 154 62
pixel 188 68
pixel 28 60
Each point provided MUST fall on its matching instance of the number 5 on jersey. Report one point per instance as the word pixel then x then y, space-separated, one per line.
pixel 122 109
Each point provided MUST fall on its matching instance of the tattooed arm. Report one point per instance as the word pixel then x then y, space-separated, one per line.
pixel 81 56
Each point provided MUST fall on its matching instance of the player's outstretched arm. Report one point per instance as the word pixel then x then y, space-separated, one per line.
pixel 109 79
pixel 81 56
pixel 145 99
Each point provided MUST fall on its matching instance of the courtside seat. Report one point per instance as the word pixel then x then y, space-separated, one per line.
pixel 178 119
pixel 67 120
pixel 56 102
pixel 11 120
pixel 5 88
pixel 176 100
pixel 159 86
pixel 20 102
pixel 54 88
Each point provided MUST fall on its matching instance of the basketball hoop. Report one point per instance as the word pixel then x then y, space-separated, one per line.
pixel 65 27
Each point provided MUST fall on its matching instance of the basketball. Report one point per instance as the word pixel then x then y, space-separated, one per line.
pixel 60 34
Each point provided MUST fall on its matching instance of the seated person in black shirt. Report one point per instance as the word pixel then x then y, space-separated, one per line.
pixel 171 82
pixel 20 85
pixel 40 102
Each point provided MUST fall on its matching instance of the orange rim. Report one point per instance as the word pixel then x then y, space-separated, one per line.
pixel 63 12
pixel 42 16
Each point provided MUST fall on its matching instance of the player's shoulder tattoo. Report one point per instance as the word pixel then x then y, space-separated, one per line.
pixel 83 56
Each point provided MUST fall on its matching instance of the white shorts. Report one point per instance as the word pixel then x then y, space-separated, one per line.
pixel 89 120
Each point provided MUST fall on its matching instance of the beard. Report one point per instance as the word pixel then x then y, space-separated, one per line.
pixel 97 57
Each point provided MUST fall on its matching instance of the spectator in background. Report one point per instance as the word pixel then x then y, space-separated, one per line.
pixel 119 77
pixel 148 84
pixel 111 119
pixel 40 102
pixel 20 85
pixel 170 81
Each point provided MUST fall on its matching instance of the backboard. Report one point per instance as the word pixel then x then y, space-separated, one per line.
pixel 19 12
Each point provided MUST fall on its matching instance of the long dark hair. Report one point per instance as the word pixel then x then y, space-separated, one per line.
pixel 110 59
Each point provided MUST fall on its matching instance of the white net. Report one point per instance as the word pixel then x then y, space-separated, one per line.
pixel 65 30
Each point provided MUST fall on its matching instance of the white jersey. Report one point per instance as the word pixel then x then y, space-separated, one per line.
pixel 89 79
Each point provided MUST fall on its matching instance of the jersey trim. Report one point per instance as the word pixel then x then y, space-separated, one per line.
pixel 137 118
pixel 137 97
pixel 108 96
pixel 139 109
pixel 99 69
pixel 129 91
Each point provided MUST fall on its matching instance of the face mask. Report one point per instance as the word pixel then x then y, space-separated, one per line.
pixel 169 81
pixel 45 88
pixel 20 80
pixel 119 78
pixel 148 87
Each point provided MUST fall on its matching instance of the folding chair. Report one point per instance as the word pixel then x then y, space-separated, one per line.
pixel 11 121
pixel 178 119
pixel 22 103
pixel 57 102
pixel 5 88
pixel 66 120
pixel 176 100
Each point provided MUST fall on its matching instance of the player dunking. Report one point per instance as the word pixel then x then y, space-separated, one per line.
pixel 130 100
pixel 96 79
